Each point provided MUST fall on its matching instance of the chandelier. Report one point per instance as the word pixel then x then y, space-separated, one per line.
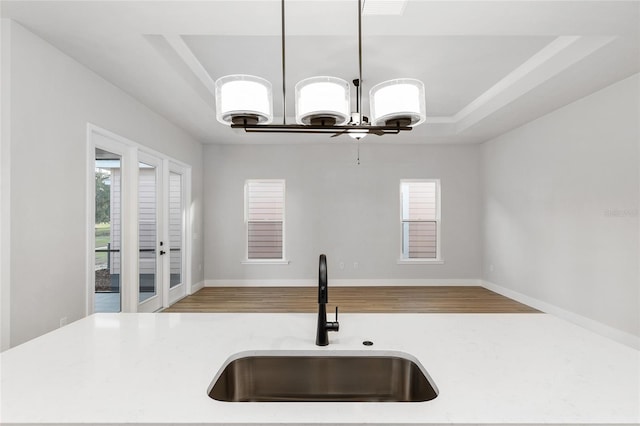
pixel 322 103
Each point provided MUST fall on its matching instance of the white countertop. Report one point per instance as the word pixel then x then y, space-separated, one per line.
pixel 156 368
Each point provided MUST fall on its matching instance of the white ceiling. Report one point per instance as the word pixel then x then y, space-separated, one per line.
pixel 487 66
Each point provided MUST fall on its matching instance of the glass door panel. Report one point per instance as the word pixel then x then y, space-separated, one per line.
pixel 177 231
pixel 176 227
pixel 147 231
pixel 108 220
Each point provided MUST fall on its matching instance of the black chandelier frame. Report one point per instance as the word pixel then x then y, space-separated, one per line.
pixel 322 126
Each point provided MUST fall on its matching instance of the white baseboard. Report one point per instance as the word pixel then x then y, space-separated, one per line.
pixel 197 286
pixel 592 325
pixel 342 282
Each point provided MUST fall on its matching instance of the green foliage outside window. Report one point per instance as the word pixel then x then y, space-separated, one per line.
pixel 103 197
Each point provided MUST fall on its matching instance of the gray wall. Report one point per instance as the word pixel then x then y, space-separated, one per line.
pixel 561 208
pixel 347 211
pixel 551 205
pixel 52 99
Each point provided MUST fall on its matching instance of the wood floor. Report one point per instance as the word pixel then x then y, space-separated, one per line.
pixel 350 299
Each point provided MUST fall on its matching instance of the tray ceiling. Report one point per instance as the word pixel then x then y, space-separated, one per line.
pixel 487 66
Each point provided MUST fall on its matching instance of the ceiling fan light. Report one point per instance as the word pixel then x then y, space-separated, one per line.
pixel 322 101
pixel 358 134
pixel 241 97
pixel 398 102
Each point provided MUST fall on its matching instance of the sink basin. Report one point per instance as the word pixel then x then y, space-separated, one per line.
pixel 328 378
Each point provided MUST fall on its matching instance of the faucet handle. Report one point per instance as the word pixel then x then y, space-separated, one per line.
pixel 333 325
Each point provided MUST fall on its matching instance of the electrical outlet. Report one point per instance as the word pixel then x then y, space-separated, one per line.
pixel 355 265
pixel 341 265
pixel 63 321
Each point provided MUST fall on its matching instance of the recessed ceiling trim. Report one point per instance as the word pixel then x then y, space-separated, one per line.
pixel 181 48
pixel 554 58
pixel 549 51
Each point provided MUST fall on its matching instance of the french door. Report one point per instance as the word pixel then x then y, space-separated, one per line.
pixel 175 267
pixel 107 263
pixel 138 226
pixel 151 236
pixel 161 232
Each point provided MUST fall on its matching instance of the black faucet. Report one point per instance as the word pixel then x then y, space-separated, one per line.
pixel 322 337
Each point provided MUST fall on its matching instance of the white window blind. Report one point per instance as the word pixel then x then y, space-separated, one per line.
pixel 420 219
pixel 265 219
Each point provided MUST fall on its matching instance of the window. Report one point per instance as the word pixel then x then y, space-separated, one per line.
pixel 420 219
pixel 264 217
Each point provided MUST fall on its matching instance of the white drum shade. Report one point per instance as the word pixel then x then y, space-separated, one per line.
pixel 320 98
pixel 241 95
pixel 400 99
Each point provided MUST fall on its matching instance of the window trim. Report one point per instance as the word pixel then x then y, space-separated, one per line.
pixel 280 261
pixel 438 260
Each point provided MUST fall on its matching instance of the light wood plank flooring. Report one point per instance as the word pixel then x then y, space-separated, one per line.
pixel 350 299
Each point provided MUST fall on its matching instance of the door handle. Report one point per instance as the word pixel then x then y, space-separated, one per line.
pixel 162 252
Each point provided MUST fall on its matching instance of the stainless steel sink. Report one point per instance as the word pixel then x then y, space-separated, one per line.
pixel 328 378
